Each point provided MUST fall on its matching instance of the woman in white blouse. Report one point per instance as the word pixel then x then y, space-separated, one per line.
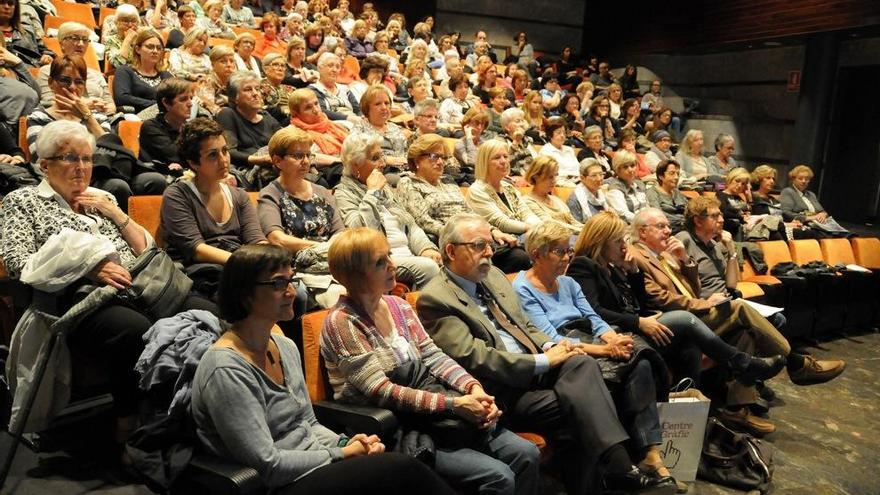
pixel 556 148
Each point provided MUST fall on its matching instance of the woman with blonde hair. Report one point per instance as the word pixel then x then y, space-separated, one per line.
pixel 376 107
pixel 736 207
pixel 690 156
pixel 212 22
pixel 799 201
pixel 533 108
pixel 190 61
pixel 298 73
pixel 541 200
pixel 763 180
pixel 492 197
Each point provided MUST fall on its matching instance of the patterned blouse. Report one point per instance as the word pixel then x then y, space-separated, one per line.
pixel 315 220
pixel 393 140
pixel 432 206
pixel 358 357
pixel 32 214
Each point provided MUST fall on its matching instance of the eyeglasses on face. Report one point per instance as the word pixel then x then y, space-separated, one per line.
pixel 10 3
pixel 659 226
pixel 72 159
pixel 479 245
pixel 562 252
pixel 300 156
pixel 73 39
pixel 278 284
pixel 67 81
pixel 152 47
pixel 435 156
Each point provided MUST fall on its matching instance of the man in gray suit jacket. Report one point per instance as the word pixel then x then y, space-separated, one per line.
pixel 473 314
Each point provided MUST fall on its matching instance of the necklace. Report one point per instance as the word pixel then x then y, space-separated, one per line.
pixel 253 350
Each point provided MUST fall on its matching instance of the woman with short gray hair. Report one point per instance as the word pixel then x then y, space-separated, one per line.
pixel 190 61
pixel 248 128
pixel 365 199
pixel 337 102
pixel 722 161
pixel 74 40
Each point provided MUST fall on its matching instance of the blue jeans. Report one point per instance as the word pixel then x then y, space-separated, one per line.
pixel 507 465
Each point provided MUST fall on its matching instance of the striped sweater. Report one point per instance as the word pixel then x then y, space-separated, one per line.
pixel 358 357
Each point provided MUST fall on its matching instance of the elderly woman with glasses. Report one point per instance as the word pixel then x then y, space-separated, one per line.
pixel 213 23
pixel 377 352
pixel 118 45
pixel 736 208
pixel 244 54
pixel 376 106
pixel 74 40
pixel 588 198
pixel 190 60
pixel 63 236
pixel 634 372
pixel 276 94
pixel 542 176
pixel 250 403
pixel 365 199
pixel 337 102
pixel 626 192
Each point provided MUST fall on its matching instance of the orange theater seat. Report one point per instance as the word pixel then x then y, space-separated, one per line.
pixel 130 134
pixel 90 57
pixel 867 251
pixel 836 251
pixel 79 12
pixel 144 211
pixel 775 252
pixel 804 251
pixel 312 365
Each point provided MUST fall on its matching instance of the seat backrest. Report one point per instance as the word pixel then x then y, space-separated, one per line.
pixel 353 66
pixel 805 250
pixel 145 211
pixel 79 12
pixel 412 298
pixel 212 42
pixel 53 22
pixel 775 252
pixel 867 251
pixel 690 194
pixel 710 194
pixel 130 134
pixel 103 14
pixel 563 192
pixel 256 33
pixel 22 137
pixel 312 363
pixel 837 251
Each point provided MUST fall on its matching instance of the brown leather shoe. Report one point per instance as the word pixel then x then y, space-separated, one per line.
pixel 742 420
pixel 817 371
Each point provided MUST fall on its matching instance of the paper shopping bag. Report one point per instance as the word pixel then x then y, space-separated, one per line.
pixel 683 420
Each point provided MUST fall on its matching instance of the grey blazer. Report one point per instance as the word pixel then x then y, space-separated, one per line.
pixel 793 204
pixel 457 326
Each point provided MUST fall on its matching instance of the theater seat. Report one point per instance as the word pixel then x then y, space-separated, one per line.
pixel 130 134
pixel 804 251
pixel 836 251
pixel 867 251
pixel 775 252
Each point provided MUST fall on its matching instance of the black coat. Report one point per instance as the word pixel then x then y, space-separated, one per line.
pixel 619 298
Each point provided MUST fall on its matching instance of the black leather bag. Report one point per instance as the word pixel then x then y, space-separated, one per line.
pixel 733 459
pixel 158 287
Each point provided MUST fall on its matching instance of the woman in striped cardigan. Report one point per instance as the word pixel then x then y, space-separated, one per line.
pixel 369 337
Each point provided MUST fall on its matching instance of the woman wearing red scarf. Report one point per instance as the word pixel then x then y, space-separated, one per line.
pixel 327 136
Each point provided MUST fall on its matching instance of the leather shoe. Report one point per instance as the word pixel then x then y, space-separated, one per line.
pixel 815 371
pixel 634 481
pixel 765 391
pixel 761 369
pixel 743 420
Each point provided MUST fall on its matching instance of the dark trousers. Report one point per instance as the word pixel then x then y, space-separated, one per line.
pixel 511 259
pixel 150 183
pixel 112 337
pixel 572 397
pixel 379 473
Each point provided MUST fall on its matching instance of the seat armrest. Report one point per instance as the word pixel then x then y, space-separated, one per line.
pixel 210 474
pixel 353 419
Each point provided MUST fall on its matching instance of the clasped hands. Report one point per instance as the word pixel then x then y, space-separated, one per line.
pixel 477 407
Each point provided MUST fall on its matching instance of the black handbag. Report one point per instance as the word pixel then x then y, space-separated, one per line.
pixel 158 287
pixel 733 459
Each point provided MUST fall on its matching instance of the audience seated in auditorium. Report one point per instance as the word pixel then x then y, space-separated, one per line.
pixel 245 58
pixel 212 93
pixel 519 142
pixel 135 84
pixel 473 315
pixel 365 199
pixel 763 181
pixel 474 123
pixel 22 35
pixel 269 40
pixel 736 201
pixel 276 94
pixel 213 23
pixel 250 373
pixel 337 102
pixel 118 45
pixel 377 353
pixel 376 106
pixel 298 73
pixel 626 192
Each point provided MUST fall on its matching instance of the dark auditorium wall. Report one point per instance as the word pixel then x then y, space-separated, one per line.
pixel 550 24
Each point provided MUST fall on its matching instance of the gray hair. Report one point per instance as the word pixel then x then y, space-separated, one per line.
pixel 593 129
pixel 70 28
pixel 355 149
pixel 193 35
pixel 325 58
pixel 586 163
pixel 425 104
pixel 451 232
pixel 641 219
pixel 58 133
pixel 421 42
pixel 510 114
pixel 127 11
pixel 721 140
pixel 294 15
pixel 236 81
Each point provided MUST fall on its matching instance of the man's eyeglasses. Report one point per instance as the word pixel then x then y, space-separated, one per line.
pixel 66 81
pixel 659 226
pixel 278 284
pixel 435 156
pixel 714 216
pixel 478 245
pixel 72 159
pixel 299 156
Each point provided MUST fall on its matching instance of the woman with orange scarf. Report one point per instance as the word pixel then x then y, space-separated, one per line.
pixel 327 136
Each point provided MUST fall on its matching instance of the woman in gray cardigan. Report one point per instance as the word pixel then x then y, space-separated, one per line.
pixel 365 199
pixel 803 204
pixel 250 403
